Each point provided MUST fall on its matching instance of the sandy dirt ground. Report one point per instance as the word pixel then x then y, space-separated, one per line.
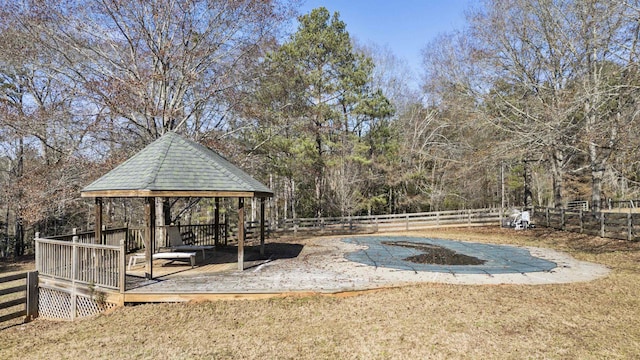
pixel 320 266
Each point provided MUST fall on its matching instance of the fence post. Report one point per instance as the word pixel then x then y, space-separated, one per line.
pixel 629 224
pixel 601 224
pixel 407 220
pixel 561 219
pixel 469 217
pixel 581 221
pixel 547 215
pixel 32 296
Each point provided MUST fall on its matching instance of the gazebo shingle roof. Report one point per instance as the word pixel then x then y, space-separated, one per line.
pixel 177 167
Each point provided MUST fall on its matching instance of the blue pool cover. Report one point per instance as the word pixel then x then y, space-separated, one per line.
pixel 499 259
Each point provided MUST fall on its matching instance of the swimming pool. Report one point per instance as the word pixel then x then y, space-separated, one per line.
pixel 498 259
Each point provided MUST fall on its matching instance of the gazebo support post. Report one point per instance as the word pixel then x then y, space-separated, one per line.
pixel 216 220
pixel 240 234
pixel 98 239
pixel 262 227
pixel 149 219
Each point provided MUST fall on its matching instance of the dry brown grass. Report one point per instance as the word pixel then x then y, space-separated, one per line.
pixel 593 320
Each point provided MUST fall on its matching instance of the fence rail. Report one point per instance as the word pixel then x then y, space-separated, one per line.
pixel 622 226
pixel 10 297
pixel 88 264
pixel 395 222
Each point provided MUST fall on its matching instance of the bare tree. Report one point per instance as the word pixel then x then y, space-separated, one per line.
pixel 44 131
pixel 608 81
pixel 451 134
pixel 527 47
pixel 156 66
pixel 139 68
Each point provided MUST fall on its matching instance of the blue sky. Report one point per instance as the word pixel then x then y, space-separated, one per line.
pixel 405 26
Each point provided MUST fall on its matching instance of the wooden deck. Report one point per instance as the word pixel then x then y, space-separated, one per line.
pixel 177 281
pixel 214 261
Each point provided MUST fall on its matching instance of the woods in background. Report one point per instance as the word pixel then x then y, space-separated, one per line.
pixel 533 102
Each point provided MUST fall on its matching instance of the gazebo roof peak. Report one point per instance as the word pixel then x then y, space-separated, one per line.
pixel 173 166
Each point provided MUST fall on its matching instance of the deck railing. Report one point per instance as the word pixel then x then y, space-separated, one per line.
pixel 88 264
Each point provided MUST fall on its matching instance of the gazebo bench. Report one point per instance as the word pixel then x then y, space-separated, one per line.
pixel 182 256
pixel 192 248
pixel 191 256
pixel 184 241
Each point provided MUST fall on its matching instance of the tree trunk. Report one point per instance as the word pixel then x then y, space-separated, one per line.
pixel 159 222
pixel 292 199
pixel 19 245
pixel 557 174
pixel 528 196
pixel 597 173
pixel 318 178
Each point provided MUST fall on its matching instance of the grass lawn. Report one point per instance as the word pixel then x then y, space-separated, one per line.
pixel 594 320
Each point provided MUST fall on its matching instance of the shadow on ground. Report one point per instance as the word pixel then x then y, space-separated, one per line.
pixel 587 243
pixel 272 251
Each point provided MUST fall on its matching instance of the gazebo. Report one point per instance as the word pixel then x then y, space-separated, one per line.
pixel 173 166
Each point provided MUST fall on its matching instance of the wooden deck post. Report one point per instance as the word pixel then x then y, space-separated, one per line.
pixel 98 239
pixel 149 219
pixel 241 234
pixel 216 220
pixel 261 226
pixel 74 276
pixel 122 267
pixel 38 254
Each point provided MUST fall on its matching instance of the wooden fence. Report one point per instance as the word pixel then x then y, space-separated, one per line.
pixel 623 226
pixel 395 222
pixel 24 295
pixel 87 264
pixel 204 234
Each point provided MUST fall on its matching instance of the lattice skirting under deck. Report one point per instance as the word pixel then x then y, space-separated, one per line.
pixel 59 305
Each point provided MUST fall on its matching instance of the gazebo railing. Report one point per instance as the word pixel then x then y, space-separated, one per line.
pixel 204 234
pixel 133 236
